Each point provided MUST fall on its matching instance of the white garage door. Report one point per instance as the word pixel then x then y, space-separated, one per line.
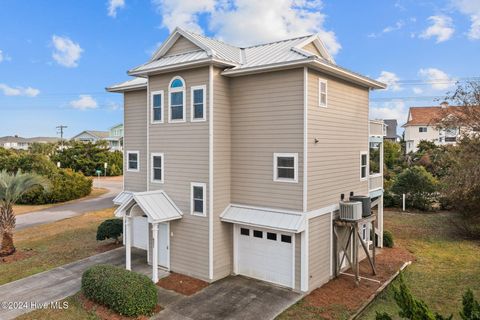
pixel 140 232
pixel 265 255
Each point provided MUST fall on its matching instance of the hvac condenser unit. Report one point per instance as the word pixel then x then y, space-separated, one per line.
pixel 350 210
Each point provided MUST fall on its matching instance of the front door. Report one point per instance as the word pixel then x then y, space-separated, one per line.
pixel 163 245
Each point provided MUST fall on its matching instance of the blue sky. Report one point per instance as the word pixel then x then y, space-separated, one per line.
pixel 57 57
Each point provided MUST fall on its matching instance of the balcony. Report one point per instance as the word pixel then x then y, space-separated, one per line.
pixel 377 131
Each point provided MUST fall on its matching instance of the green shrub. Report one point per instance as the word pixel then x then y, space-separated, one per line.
pixel 470 307
pixel 419 187
pixel 388 239
pixel 110 229
pixel 66 185
pixel 126 292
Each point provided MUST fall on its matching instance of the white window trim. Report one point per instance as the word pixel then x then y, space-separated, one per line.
pixel 157 154
pixel 320 81
pixel 366 166
pixel 295 167
pixel 192 113
pixel 138 161
pixel 173 90
pixel 162 100
pixel 192 204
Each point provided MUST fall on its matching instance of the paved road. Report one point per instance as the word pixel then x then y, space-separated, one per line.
pixel 73 208
pixel 62 282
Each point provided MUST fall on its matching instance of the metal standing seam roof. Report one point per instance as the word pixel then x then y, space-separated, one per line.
pixel 132 83
pixel 172 60
pixel 156 205
pixel 265 218
pixel 122 197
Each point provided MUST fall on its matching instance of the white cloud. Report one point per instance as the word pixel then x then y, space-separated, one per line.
pixel 391 79
pixel 1 56
pixel 472 9
pixel 4 57
pixel 395 109
pixel 19 91
pixel 417 90
pixel 84 102
pixel 247 22
pixel 113 6
pixel 397 26
pixel 438 79
pixel 441 28
pixel 66 53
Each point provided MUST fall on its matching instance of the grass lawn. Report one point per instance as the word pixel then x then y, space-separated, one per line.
pixel 446 264
pixel 25 208
pixel 74 311
pixel 51 245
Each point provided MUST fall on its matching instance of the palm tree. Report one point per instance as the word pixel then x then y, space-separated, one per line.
pixel 12 187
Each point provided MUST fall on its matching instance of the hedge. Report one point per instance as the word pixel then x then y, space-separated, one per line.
pixel 388 239
pixel 125 292
pixel 110 229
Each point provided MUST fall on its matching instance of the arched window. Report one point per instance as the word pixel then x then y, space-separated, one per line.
pixel 176 100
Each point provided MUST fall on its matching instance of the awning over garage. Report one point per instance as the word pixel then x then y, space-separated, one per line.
pixel 287 221
pixel 122 197
pixel 156 205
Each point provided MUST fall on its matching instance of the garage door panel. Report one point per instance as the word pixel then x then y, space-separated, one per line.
pixel 265 259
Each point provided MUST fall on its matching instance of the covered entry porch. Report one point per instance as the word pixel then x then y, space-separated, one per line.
pixel 147 217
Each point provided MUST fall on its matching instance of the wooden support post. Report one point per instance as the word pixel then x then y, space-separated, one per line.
pixel 374 243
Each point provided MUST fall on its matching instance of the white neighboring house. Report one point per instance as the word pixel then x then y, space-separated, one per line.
pixel 20 143
pixel 114 137
pixel 422 125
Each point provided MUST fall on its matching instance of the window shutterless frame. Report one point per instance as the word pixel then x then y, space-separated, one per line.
pixel 276 177
pixel 363 165
pixel 322 93
pixel 194 198
pixel 131 161
pixel 154 107
pixel 173 89
pixel 156 166
pixel 197 104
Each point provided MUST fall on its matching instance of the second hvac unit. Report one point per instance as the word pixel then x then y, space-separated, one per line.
pixel 350 210
pixel 366 204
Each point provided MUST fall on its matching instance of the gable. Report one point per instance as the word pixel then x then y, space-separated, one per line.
pixel 312 49
pixel 182 45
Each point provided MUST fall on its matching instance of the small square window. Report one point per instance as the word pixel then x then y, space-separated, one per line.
pixel 244 231
pixel 363 165
pixel 422 129
pixel 287 239
pixel 257 234
pixel 132 161
pixel 157 167
pixel 198 199
pixel 157 106
pixel 285 167
pixel 271 236
pixel 322 93
pixel 198 103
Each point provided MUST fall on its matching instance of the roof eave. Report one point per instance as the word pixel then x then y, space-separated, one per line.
pixel 121 89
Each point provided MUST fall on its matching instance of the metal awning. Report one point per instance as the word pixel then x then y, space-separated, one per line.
pixel 156 205
pixel 288 221
pixel 122 197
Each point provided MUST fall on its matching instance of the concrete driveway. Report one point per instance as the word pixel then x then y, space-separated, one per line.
pixel 74 208
pixel 234 297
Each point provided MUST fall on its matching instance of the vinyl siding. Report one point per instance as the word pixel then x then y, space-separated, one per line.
pixel 182 45
pixel 298 261
pixel 342 131
pixel 185 148
pixel 311 48
pixel 319 247
pixel 222 232
pixel 267 117
pixel 135 137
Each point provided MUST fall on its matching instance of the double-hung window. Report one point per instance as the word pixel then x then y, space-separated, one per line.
pixel 363 165
pixel 322 93
pixel 158 168
pixel 157 106
pixel 133 161
pixel 198 103
pixel 422 129
pixel 197 196
pixel 285 167
pixel 176 100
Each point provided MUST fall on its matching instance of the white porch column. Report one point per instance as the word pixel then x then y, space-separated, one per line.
pixel 128 243
pixel 380 222
pixel 155 253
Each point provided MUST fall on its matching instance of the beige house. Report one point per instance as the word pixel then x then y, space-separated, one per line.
pixel 236 158
pixel 422 125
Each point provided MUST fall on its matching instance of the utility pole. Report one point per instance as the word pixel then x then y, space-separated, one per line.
pixel 60 130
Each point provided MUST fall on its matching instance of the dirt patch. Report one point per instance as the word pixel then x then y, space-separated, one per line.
pixel 182 284
pixel 107 247
pixel 17 256
pixel 341 295
pixel 105 313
